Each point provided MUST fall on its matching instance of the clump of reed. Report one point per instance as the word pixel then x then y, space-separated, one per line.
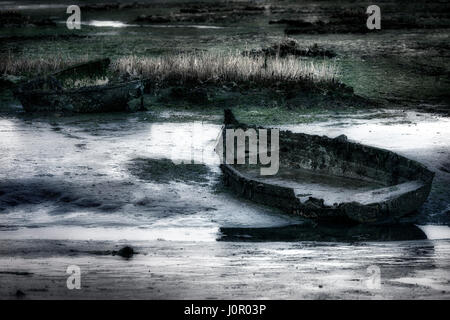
pixel 221 68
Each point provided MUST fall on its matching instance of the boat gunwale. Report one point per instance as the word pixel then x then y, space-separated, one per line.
pixel 80 90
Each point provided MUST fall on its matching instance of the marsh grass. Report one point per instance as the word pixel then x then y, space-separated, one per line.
pixel 194 68
pixel 222 68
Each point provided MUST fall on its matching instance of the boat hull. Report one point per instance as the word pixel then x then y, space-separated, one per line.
pixel 112 98
pixel 405 184
pixel 46 94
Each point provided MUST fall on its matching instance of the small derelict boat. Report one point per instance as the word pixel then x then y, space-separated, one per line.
pixel 328 179
pixel 48 93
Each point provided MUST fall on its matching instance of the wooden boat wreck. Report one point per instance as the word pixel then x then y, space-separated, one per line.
pixel 47 94
pixel 331 179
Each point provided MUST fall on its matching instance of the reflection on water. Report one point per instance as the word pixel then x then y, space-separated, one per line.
pixel 307 183
pixel 434 232
pixel 112 24
pixel 12 5
pixel 120 24
pixel 326 233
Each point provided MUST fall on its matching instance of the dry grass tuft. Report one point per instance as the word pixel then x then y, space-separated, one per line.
pixel 217 68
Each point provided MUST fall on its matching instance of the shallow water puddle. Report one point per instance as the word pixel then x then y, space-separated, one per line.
pixel 436 232
pixel 308 184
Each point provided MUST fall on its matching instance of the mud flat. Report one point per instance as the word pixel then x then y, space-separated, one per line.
pixel 83 181
pixel 230 270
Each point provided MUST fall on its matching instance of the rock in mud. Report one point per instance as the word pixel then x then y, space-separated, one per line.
pixel 20 294
pixel 126 252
